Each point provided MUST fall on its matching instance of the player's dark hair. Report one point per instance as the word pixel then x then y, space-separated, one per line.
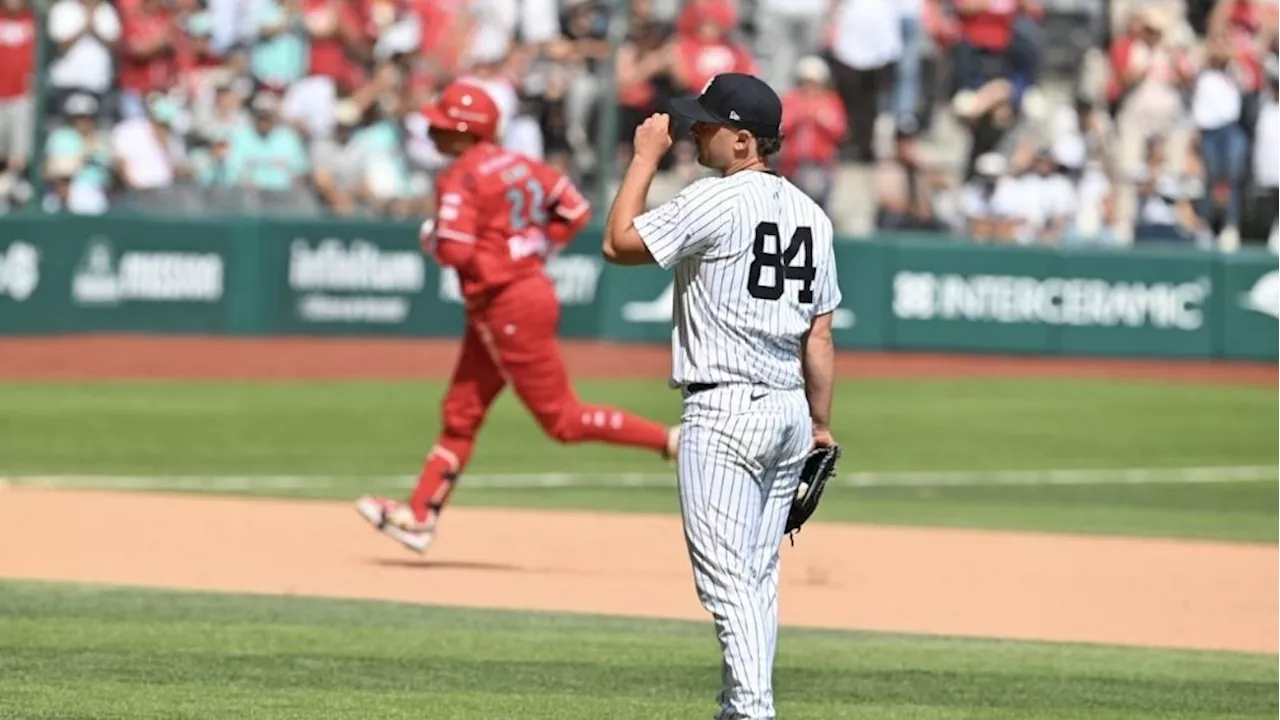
pixel 767 147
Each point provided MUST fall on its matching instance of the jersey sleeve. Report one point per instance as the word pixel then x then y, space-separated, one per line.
pixel 568 210
pixel 827 296
pixel 684 226
pixel 564 199
pixel 457 220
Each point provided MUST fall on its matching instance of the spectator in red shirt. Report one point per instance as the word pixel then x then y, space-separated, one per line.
pixel 1238 17
pixel 195 52
pixel 149 62
pixel 200 69
pixel 814 125
pixel 989 47
pixel 446 28
pixel 1249 26
pixel 341 39
pixel 17 56
pixel 691 15
pixel 987 25
pixel 703 47
pixel 341 36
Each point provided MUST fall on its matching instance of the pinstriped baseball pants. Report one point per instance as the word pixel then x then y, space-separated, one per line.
pixel 741 451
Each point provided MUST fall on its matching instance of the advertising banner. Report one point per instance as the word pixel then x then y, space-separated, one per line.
pixel 155 276
pixel 864 270
pixel 1133 303
pixel 29 297
pixel 971 298
pixel 1250 304
pixel 636 304
pixel 355 278
pixel 67 274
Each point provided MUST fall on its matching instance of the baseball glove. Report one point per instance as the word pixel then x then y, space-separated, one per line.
pixel 818 469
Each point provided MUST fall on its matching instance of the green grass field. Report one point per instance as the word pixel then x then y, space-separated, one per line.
pixel 70 652
pixel 358 433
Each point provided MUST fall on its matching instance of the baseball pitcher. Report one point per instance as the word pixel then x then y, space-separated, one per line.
pixel 499 216
pixel 755 286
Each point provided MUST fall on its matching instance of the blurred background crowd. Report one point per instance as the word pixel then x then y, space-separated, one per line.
pixel 1016 121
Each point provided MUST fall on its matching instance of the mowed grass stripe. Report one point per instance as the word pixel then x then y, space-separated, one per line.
pixel 119 701
pixel 1016 454
pixel 370 428
pixel 490 636
pixel 657 679
pixel 173 651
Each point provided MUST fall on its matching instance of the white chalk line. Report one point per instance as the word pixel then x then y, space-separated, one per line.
pixel 518 481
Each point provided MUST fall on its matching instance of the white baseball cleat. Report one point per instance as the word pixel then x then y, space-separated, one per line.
pixel 398 521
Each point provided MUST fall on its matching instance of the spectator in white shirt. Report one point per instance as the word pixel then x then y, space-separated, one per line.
pixel 1266 131
pixel 787 30
pixel 1084 122
pixel 85 34
pixel 1093 209
pixel 487 59
pixel 1046 199
pixel 1018 194
pixel 69 193
pixel 524 133
pixel 149 155
pixel 865 48
pixel 339 163
pixel 234 21
pixel 1149 67
pixel 1224 148
pixel 225 112
pixel 1164 208
pixel 989 201
pixel 1266 153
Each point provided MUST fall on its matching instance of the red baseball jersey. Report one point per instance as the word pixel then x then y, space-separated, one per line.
pixel 500 215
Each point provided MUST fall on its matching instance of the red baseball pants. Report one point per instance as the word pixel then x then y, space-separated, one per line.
pixel 512 340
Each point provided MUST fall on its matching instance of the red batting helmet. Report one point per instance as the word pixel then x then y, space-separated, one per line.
pixel 465 108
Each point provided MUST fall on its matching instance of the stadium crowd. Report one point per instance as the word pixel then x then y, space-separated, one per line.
pixel 912 115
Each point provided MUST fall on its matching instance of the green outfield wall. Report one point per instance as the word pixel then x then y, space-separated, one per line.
pixel 276 277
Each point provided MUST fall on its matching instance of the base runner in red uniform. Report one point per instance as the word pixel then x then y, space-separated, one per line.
pixel 499 217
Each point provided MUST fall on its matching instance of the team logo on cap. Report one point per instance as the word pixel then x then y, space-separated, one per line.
pixel 734 116
pixel 460 114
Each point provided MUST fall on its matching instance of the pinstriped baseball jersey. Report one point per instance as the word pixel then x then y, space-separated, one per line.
pixel 754 264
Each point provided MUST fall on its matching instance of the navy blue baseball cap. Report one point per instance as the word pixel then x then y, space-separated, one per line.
pixel 736 100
